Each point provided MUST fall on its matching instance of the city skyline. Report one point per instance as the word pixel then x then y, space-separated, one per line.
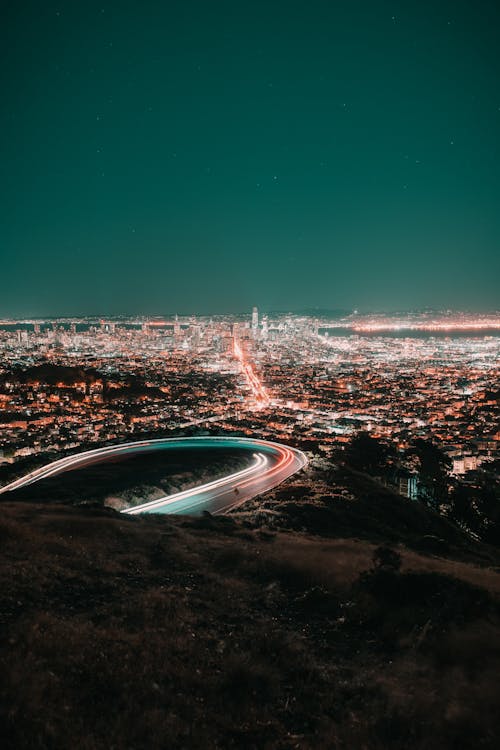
pixel 404 318
pixel 206 158
pixel 71 382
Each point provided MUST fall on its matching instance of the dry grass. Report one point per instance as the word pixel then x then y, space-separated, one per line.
pixel 124 632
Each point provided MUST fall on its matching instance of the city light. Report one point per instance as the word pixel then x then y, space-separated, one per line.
pixel 69 383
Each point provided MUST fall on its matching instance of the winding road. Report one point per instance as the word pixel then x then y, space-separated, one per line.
pixel 271 464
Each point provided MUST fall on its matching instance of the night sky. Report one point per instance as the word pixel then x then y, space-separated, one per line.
pixel 201 157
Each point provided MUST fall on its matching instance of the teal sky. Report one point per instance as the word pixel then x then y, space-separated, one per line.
pixel 198 156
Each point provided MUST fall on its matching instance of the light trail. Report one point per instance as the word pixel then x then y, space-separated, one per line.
pixel 259 463
pixel 272 464
pixel 258 390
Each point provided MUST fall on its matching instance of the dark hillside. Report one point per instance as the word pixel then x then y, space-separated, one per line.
pixel 159 632
pixel 343 503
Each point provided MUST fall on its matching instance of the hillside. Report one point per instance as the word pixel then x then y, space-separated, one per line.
pixel 337 502
pixel 162 632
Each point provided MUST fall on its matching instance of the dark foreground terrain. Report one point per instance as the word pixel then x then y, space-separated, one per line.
pixel 162 632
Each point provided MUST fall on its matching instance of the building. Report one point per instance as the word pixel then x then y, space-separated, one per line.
pixel 196 335
pixel 408 485
pixel 255 321
pixel 265 328
pixel 463 464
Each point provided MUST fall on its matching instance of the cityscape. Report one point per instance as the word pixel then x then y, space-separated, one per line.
pixel 309 381
pixel 250 375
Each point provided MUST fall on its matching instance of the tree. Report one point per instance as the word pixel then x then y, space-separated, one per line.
pixel 366 453
pixel 434 472
pixel 462 510
pixel 488 505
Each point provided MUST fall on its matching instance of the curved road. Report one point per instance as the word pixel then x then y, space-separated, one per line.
pixel 272 463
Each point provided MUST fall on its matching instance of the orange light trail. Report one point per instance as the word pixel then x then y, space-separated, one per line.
pixel 258 391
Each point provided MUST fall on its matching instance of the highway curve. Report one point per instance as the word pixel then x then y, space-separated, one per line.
pixel 271 464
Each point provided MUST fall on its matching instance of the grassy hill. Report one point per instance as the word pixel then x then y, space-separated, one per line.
pixel 330 630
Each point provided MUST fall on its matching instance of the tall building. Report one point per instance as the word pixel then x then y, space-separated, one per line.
pixel 265 328
pixel 255 320
pixel 408 485
pixel 196 335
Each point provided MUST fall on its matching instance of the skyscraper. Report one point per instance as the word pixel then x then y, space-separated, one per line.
pixel 265 327
pixel 255 320
pixel 195 336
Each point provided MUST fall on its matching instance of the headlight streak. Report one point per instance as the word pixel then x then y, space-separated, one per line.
pixel 273 463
